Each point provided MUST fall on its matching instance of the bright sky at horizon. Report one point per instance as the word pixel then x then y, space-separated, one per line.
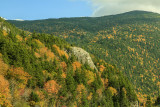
pixel 44 9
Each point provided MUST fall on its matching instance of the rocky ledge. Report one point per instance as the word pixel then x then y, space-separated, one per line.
pixel 83 57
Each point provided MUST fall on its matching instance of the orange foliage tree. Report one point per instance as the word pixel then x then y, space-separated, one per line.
pixel 52 87
pixel 60 52
pixel 101 68
pixel 18 81
pixel 45 51
pixel 64 66
pixel 4 92
pixel 105 82
pixel 76 65
pixel 19 75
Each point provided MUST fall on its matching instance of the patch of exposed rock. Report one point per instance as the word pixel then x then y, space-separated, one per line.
pixel 4 27
pixel 134 104
pixel 83 56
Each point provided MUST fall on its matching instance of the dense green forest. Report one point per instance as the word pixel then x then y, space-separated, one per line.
pixel 129 41
pixel 39 69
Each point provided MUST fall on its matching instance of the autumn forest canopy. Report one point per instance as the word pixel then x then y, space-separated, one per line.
pixel 38 65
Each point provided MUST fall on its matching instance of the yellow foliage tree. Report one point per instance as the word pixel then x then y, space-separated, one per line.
pixel 3 67
pixel 39 43
pixel 5 33
pixel 90 96
pixel 19 37
pixel 107 53
pixel 64 66
pixel 60 52
pixel 80 89
pixel 64 75
pixel 50 55
pixel 99 92
pixel 113 91
pixel 124 90
pixel 90 76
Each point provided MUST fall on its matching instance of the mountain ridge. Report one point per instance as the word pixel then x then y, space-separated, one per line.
pixel 95 23
pixel 128 12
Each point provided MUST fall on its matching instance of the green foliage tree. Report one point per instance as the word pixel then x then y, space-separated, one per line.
pixel 34 97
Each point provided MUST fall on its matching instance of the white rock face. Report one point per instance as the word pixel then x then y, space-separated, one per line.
pixel 83 57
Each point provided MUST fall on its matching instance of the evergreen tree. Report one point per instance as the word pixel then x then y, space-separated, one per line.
pixel 84 100
pixel 123 98
pixel 70 82
pixel 34 97
pixel 109 99
pixel 157 102
pixel 148 102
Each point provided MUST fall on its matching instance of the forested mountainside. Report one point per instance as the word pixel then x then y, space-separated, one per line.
pixel 129 41
pixel 42 69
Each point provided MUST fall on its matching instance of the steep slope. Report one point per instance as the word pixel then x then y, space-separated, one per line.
pixel 40 69
pixel 130 41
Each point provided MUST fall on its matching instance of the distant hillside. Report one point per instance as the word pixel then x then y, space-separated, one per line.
pixel 91 24
pixel 130 41
pixel 41 69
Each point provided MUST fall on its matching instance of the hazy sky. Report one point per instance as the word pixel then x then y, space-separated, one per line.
pixel 42 9
pixel 108 7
